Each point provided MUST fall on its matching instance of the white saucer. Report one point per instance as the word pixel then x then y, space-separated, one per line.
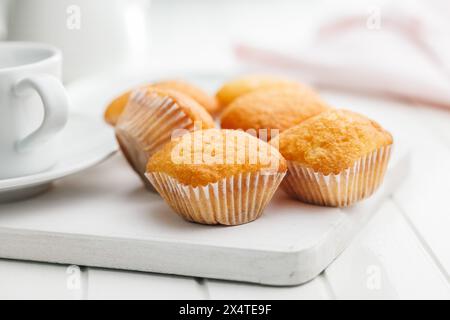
pixel 85 143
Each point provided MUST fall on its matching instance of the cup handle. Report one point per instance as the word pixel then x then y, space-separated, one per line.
pixel 56 108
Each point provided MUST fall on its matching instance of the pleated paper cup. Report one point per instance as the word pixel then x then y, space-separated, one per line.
pixel 338 190
pixel 146 125
pixel 232 201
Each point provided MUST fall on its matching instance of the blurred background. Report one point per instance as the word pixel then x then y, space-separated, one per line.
pixel 202 31
pixel 402 45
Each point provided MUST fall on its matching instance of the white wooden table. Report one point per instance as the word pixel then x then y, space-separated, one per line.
pixel 404 251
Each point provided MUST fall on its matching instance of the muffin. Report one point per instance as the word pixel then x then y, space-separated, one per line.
pixel 335 159
pixel 209 102
pixel 214 176
pixel 246 84
pixel 115 109
pixel 149 120
pixel 273 109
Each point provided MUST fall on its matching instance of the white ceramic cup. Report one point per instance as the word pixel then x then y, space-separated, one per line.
pixel 33 107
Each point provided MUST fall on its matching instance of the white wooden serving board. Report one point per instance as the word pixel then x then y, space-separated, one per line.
pixel 105 218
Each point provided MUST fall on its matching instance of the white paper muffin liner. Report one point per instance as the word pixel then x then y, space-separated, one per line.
pixel 146 125
pixel 232 201
pixel 338 190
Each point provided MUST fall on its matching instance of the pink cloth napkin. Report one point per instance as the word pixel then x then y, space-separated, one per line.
pixel 400 55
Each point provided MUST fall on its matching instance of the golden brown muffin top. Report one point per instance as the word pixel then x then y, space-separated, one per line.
pixel 280 108
pixel 332 141
pixel 208 102
pixel 190 107
pixel 116 107
pixel 246 84
pixel 207 156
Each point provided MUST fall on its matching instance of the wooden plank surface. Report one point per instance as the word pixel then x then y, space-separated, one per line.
pixel 423 197
pixel 127 285
pixel 387 261
pixel 30 280
pixel 406 243
pixel 316 289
